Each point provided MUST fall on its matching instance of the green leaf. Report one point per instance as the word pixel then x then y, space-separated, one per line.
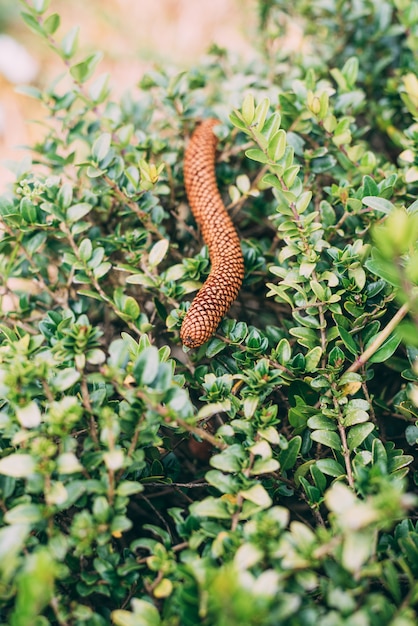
pixel 225 483
pixel 383 268
pixel 29 415
pixel 378 204
pixel 33 24
pixel 386 349
pixel 303 202
pixel 370 187
pixel 102 269
pixel 146 366
pixel 264 466
pixel 28 90
pixel 339 78
pixel 120 524
pixel 277 146
pixel 350 377
pixel 93 172
pixel 215 346
pixel 145 614
pixel 288 457
pixel 65 379
pixel 131 307
pixel 41 6
pixel 348 341
pixel 249 405
pixel 65 196
pixel 318 477
pixel 24 514
pixel 350 71
pixel 271 435
pixel 90 294
pixel 290 176
pixel 210 507
pixel 323 164
pixel 247 556
pixel 357 434
pixel 261 113
pixel 81 72
pixel 330 467
pixel 312 359
pixel 207 410
pixel 355 416
pixel 272 125
pixel 85 250
pixel 69 43
pixel 357 273
pixel 398 462
pixel 78 211
pixel 140 279
pixel 129 487
pixel 258 495
pixel 283 352
pixel 36 242
pixel 255 154
pixel 357 548
pixel 413 208
pixel 229 460
pixel 179 401
pixel 99 89
pixel 306 320
pixel 411 434
pixel 67 463
pixel 158 252
pixel 321 422
pixel 17 465
pixel 273 181
pixel 248 109
pixel 12 540
pixel 51 24
pixel 327 438
pixel 101 147
pixel 236 119
pixel 28 211
pixel 262 449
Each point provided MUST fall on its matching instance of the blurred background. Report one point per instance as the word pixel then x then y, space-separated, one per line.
pixel 133 34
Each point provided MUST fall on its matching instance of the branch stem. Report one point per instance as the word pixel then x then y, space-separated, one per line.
pixel 380 339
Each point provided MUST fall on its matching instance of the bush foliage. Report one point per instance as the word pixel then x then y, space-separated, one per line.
pixel 267 477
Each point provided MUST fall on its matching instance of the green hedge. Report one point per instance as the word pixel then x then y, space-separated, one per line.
pixel 265 478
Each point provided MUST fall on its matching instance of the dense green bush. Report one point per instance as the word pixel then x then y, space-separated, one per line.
pixel 264 478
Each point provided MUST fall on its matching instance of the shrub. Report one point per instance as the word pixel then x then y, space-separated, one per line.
pixel 264 478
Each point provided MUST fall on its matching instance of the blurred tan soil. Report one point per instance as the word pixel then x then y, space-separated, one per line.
pixel 133 34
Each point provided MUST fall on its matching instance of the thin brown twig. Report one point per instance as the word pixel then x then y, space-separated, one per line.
pixel 380 339
pixel 85 396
